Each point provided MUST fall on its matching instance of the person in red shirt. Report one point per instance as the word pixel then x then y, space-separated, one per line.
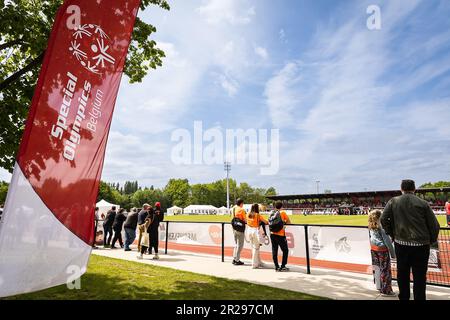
pixel 447 211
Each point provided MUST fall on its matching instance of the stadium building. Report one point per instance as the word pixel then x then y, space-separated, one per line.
pixel 351 203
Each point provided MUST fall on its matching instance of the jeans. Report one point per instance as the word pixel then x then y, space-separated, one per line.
pixel 415 258
pixel 107 235
pixel 130 236
pixel 239 244
pixel 279 241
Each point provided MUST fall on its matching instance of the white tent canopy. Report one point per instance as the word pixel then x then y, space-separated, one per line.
pixel 173 211
pixel 104 207
pixel 222 211
pixel 200 210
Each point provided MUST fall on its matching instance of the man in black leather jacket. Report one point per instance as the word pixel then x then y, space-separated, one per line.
pixel 412 224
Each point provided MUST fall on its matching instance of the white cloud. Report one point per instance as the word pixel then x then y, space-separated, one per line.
pixel 282 36
pixel 281 95
pixel 261 52
pixel 230 86
pixel 230 11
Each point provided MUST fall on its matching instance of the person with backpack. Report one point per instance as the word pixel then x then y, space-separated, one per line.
pixel 254 222
pixel 238 224
pixel 277 223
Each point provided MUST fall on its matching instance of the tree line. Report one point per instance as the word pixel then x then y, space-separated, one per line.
pixel 179 192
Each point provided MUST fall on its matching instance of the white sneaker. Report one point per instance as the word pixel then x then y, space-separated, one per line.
pixel 156 257
pixel 139 257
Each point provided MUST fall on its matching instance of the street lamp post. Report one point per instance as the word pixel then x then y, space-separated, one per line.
pixel 227 167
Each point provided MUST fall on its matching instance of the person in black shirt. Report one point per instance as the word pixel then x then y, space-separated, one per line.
pixel 117 227
pixel 157 216
pixel 130 226
pixel 107 226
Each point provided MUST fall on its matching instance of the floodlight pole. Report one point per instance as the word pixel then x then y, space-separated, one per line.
pixel 317 181
pixel 227 167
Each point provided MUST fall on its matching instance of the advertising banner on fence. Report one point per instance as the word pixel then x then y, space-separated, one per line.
pixel 47 227
pixel 201 234
pixel 348 245
pixel 295 237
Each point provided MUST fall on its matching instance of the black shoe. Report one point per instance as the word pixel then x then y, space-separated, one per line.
pixel 277 269
pixel 234 262
pixel 239 263
pixel 283 269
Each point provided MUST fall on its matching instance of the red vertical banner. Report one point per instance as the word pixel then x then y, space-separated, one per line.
pixel 59 164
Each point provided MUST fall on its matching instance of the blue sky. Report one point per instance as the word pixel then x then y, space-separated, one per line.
pixel 356 108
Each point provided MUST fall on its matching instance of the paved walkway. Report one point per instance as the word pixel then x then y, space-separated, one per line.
pixel 321 282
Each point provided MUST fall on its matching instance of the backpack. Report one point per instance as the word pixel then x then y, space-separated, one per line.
pixel 276 224
pixel 237 223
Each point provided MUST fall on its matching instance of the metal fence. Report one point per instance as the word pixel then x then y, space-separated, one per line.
pixel 344 248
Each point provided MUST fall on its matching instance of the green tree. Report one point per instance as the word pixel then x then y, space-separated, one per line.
pixel 25 26
pixel 150 196
pixel 3 191
pixel 178 192
pixel 439 184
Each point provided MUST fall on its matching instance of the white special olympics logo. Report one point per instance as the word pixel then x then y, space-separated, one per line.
pixel 90 45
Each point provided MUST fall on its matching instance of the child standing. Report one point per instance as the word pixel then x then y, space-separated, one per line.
pixel 381 250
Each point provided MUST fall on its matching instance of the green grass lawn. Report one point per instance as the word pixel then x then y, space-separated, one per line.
pixel 299 219
pixel 116 279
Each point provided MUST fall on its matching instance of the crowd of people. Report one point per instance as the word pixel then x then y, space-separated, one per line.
pixel 404 230
pixel 277 222
pixel 146 221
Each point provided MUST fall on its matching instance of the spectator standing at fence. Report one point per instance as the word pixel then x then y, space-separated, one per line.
pixel 381 250
pixel 254 220
pixel 277 224
pixel 117 227
pixel 447 212
pixel 239 234
pixel 142 215
pixel 411 222
pixel 129 227
pixel 96 218
pixel 157 216
pixel 107 226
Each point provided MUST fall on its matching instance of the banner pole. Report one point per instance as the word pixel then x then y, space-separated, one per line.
pixel 223 242
pixel 308 262
pixel 167 236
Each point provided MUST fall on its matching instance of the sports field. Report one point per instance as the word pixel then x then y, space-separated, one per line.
pixel 297 219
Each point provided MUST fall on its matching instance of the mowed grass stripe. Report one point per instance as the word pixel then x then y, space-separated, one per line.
pixel 115 279
pixel 298 219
